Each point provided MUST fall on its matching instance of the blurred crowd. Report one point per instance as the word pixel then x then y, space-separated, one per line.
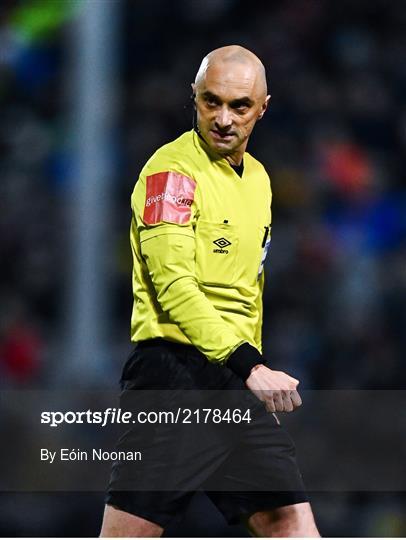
pixel 333 142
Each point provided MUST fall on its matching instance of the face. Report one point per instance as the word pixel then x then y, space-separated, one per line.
pixel 229 101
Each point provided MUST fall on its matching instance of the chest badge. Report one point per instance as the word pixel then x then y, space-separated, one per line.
pixel 221 243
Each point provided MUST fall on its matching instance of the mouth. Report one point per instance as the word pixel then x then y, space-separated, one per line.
pixel 223 137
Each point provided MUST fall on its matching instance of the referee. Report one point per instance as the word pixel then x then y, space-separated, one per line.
pixel 201 225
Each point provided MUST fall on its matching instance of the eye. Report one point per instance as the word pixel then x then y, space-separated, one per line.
pixel 241 107
pixel 211 101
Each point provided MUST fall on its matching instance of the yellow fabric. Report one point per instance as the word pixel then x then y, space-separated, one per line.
pixel 186 288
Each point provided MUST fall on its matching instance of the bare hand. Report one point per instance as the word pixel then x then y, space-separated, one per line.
pixel 276 389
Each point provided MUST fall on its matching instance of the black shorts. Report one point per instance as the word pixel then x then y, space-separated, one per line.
pixel 243 466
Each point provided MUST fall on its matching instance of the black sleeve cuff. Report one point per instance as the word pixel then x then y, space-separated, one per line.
pixel 243 359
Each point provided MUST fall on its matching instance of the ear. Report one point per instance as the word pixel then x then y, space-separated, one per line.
pixel 264 107
pixel 193 95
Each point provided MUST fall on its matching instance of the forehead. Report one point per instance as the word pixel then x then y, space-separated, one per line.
pixel 231 80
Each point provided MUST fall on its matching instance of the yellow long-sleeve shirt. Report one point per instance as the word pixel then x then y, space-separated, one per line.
pixel 198 236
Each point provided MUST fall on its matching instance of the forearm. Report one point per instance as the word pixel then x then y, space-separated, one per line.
pixel 201 323
pixel 204 327
pixel 178 294
pixel 171 269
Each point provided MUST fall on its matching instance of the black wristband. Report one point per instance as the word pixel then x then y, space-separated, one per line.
pixel 243 359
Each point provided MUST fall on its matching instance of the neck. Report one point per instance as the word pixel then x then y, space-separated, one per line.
pixel 235 159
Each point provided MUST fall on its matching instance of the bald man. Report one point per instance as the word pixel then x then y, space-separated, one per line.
pixel 201 222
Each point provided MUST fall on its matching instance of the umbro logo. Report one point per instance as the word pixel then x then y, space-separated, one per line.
pixel 221 243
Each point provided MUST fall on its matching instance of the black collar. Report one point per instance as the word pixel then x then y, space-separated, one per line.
pixel 239 169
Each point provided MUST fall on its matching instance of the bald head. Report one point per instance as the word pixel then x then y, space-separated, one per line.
pixel 228 58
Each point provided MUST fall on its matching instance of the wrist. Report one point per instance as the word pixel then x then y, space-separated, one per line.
pixel 257 366
pixel 244 359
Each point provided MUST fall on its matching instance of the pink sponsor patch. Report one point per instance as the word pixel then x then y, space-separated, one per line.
pixel 169 197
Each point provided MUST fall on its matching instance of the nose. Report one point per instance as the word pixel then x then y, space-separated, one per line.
pixel 223 119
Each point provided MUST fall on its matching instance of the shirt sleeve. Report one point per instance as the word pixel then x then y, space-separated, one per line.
pixel 167 244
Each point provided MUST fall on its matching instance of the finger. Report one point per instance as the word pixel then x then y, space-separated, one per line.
pixel 295 381
pixel 287 402
pixel 270 405
pixel 295 398
pixel 278 401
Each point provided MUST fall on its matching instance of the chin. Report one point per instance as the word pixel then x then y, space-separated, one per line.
pixel 222 145
pixel 221 149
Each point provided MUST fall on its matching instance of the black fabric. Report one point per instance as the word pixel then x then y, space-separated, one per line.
pixel 235 464
pixel 239 169
pixel 243 359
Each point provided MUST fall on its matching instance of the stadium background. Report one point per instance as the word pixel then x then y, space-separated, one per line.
pixel 334 142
